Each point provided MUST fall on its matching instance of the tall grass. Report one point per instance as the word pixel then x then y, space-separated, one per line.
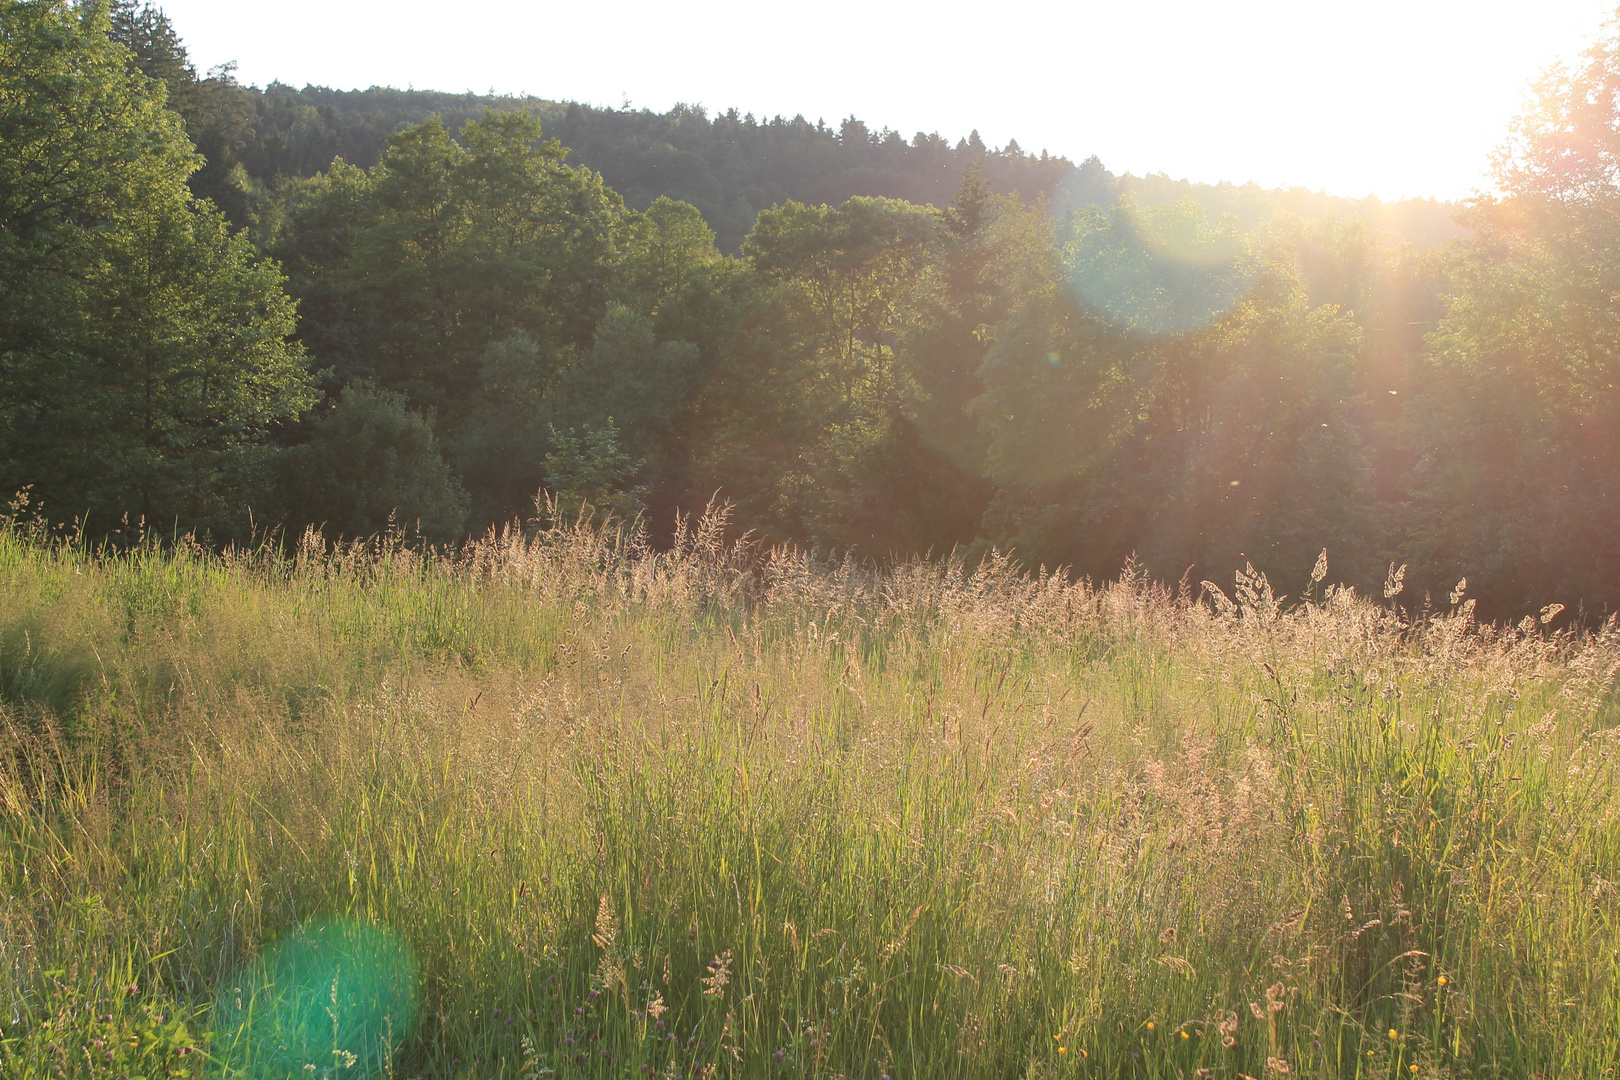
pixel 726 812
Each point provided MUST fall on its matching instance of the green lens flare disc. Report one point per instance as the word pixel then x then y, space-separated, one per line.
pixel 330 1001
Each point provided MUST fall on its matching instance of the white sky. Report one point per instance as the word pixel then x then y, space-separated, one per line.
pixel 1389 97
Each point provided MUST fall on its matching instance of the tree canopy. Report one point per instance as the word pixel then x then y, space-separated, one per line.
pixel 144 352
pixel 223 307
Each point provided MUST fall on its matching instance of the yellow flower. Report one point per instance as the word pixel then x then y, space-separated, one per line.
pixel 1412 1067
pixel 1442 980
pixel 1063 1049
pixel 1184 1035
pixel 1394 1034
pixel 1150 1025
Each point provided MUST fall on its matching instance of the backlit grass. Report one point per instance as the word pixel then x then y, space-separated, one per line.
pixel 721 812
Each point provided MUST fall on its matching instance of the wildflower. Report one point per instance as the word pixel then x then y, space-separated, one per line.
pixel 1441 980
pixel 1063 1049
pixel 1393 1034
pixel 1413 1067
pixel 1184 1035
pixel 1150 1025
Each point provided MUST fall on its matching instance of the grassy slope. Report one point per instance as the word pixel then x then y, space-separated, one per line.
pixel 932 824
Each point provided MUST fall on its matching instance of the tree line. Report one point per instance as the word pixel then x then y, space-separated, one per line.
pixel 1080 368
pixel 729 165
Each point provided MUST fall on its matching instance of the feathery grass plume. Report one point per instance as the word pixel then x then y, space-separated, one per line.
pixel 719 975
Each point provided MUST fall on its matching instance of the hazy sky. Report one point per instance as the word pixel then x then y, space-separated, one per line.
pixel 1390 97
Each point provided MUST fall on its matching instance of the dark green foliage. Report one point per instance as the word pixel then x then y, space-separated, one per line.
pixel 218 112
pixel 143 351
pixel 590 477
pixel 732 166
pixel 371 463
pixel 917 347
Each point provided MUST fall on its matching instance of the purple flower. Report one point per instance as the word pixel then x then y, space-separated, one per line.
pixel 497 1011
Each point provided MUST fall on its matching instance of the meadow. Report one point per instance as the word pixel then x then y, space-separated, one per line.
pixel 721 811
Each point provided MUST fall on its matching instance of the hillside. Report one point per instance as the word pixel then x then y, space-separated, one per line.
pixel 732 166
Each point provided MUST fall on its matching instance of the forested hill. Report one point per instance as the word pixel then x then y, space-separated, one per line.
pixel 1021 355
pixel 731 166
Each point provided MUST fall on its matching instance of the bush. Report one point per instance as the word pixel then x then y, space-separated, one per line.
pixel 370 464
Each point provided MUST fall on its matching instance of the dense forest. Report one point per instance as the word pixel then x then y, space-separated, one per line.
pixel 227 310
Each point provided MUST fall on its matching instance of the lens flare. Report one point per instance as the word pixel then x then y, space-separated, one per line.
pixel 335 997
pixel 1155 271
